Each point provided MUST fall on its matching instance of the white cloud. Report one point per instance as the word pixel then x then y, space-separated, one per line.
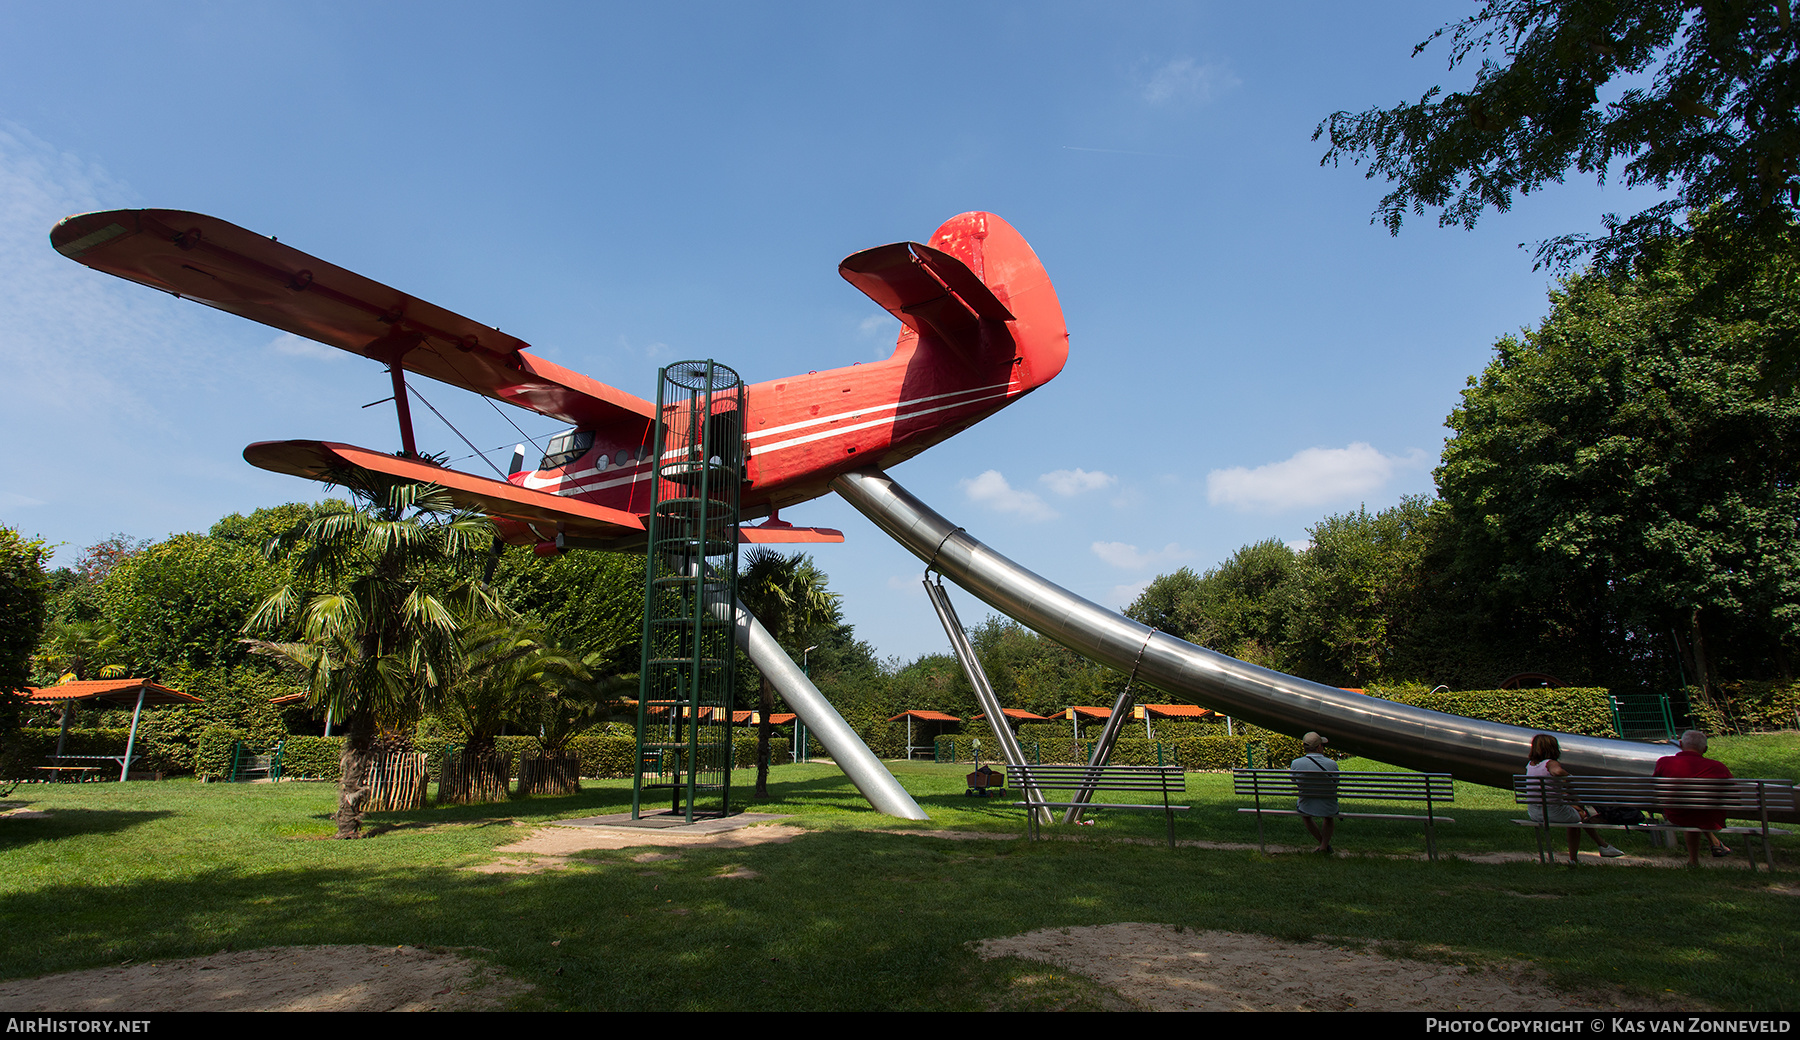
pixel 1068 482
pixel 300 346
pixel 1187 80
pixel 14 500
pixel 991 490
pixel 1300 545
pixel 1130 558
pixel 1312 477
pixel 875 324
pixel 1123 596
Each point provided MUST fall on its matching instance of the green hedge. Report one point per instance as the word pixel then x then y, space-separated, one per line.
pixel 311 758
pixel 32 746
pixel 1584 710
pixel 213 752
pixel 1208 752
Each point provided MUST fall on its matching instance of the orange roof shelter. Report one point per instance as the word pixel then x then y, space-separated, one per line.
pixel 116 693
pixel 1014 716
pixel 936 718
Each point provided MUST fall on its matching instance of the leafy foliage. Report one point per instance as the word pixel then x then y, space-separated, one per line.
pixel 378 634
pixel 23 599
pixel 1632 467
pixel 1709 114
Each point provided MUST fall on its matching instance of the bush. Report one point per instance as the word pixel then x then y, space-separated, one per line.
pixel 1747 707
pixel 31 747
pixel 1200 752
pixel 1583 710
pixel 213 752
pixel 311 758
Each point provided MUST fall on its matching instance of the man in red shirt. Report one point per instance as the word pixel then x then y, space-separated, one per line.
pixel 1691 762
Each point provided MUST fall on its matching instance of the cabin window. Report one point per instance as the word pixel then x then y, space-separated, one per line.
pixel 566 448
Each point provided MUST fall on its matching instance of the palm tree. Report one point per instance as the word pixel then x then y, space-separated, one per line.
pixel 81 649
pixel 506 671
pixel 378 639
pixel 788 595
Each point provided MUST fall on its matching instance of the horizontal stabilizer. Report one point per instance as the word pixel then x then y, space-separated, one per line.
pixel 779 531
pixel 547 514
pixel 931 292
pixel 217 263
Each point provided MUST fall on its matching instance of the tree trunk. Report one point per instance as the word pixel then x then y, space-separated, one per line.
pixel 762 740
pixel 353 765
pixel 1703 676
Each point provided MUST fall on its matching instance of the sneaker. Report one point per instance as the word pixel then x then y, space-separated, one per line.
pixel 1610 851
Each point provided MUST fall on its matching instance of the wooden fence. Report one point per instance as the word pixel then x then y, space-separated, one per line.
pixel 471 779
pixel 556 773
pixel 396 782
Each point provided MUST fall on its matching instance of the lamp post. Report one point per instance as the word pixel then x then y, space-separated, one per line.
pixel 799 749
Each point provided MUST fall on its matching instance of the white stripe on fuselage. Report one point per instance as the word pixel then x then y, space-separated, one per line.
pixel 642 473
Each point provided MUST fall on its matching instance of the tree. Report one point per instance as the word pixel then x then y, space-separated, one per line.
pixel 1630 470
pixel 378 632
pixel 1709 113
pixel 1237 608
pixel 788 595
pixel 1356 592
pixel 23 592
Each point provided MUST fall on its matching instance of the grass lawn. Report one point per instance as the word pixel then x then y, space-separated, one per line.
pixel 847 916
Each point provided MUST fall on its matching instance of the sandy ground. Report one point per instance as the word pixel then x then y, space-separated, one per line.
pixel 293 978
pixel 1160 968
pixel 1151 966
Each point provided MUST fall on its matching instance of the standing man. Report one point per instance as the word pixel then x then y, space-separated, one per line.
pixel 1691 763
pixel 1315 775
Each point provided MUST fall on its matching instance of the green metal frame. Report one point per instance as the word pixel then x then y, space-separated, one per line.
pixel 687 684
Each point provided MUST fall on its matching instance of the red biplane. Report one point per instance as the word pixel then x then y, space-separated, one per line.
pixel 981 328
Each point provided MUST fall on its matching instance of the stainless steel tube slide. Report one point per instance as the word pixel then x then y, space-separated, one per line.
pixel 1483 752
pixel 840 741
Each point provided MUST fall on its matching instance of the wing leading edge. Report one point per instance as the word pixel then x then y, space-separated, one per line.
pixel 217 263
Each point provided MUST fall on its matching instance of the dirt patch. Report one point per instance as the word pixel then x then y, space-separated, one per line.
pixel 553 848
pixel 1163 969
pixel 290 978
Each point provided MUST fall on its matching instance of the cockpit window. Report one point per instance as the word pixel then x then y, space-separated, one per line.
pixel 566 448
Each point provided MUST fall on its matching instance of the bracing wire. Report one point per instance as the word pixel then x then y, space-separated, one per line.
pixel 456 431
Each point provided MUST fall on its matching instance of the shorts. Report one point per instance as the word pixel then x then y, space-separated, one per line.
pixel 1559 814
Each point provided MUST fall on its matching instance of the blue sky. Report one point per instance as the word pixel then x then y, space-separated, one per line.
pixel 626 186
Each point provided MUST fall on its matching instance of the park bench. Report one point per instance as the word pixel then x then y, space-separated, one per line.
pixel 67 774
pixel 1277 785
pixel 247 765
pixel 1086 780
pixel 1656 794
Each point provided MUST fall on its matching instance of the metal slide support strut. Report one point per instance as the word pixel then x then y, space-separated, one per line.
pixel 984 690
pixel 839 740
pixel 1108 737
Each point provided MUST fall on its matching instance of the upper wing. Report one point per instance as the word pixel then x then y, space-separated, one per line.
pixel 222 265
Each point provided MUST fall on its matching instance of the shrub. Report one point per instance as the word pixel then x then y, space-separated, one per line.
pixel 1583 710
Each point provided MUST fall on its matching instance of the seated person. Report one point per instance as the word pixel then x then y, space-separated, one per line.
pixel 1315 776
pixel 1691 763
